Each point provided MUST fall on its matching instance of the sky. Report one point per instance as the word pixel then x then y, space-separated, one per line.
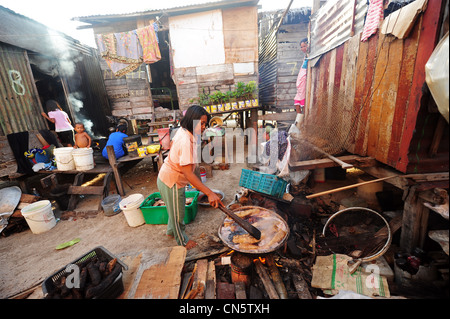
pixel 57 14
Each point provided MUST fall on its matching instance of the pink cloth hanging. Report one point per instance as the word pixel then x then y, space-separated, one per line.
pixel 374 15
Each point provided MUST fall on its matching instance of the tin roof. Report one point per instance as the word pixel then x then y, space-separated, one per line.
pixel 192 8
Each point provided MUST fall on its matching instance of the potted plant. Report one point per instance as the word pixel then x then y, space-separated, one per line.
pixel 216 100
pixel 251 91
pixel 240 94
pixel 227 100
pixel 204 100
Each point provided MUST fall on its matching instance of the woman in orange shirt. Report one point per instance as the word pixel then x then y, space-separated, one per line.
pixel 178 171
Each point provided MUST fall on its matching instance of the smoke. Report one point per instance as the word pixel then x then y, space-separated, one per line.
pixel 77 105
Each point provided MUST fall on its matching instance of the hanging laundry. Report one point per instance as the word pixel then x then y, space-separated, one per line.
pixel 149 43
pixel 373 19
pixel 156 28
pixel 121 51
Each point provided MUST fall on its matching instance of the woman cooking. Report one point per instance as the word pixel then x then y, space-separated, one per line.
pixel 178 171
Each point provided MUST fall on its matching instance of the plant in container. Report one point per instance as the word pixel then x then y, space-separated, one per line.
pixel 251 91
pixel 227 100
pixel 204 100
pixel 240 94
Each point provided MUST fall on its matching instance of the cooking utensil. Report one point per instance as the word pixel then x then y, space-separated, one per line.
pixel 267 244
pixel 252 230
pixel 381 240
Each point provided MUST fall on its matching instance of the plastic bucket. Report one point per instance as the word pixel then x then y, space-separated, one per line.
pixel 83 158
pixel 131 209
pixel 110 205
pixel 64 158
pixel 164 138
pixel 39 216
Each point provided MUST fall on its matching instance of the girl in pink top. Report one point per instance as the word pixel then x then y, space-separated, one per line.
pixel 178 170
pixel 63 126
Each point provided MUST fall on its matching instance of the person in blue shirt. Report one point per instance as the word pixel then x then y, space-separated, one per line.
pixel 116 140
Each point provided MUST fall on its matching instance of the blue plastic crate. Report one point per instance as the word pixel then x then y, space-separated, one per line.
pixel 264 183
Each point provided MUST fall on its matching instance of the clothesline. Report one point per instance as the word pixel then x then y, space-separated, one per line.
pixel 126 51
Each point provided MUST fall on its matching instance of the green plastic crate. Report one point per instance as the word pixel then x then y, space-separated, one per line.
pixel 157 215
pixel 262 182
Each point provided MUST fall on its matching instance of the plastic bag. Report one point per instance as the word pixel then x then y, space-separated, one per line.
pixel 436 71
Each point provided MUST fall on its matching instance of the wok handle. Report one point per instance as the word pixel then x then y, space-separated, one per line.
pixel 252 230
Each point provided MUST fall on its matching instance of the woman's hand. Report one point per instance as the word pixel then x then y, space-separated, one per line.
pixel 214 200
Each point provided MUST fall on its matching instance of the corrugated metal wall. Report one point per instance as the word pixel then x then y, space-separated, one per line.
pixel 268 67
pixel 280 57
pixel 336 22
pixel 20 108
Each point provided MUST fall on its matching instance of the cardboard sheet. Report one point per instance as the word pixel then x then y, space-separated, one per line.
pixel 401 22
pixel 332 273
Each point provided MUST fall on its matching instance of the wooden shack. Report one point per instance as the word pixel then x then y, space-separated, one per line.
pixel 38 64
pixel 204 48
pixel 370 99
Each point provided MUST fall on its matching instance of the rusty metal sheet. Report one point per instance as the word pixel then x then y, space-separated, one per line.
pixel 334 23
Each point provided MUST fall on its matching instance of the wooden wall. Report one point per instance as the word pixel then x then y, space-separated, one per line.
pixel 370 95
pixel 240 45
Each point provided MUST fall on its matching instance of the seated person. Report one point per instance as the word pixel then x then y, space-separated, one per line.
pixel 82 139
pixel 116 140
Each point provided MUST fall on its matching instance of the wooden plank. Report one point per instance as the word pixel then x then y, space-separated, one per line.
pixel 363 128
pixel 405 80
pixel 427 43
pixel 159 275
pixel 350 117
pixel 283 116
pixel 115 167
pixel 355 160
pixel 378 96
pixel 268 285
pixel 390 88
pixel 210 291
pixel 301 286
pixel 415 221
pixel 85 190
pixel 129 275
pixel 200 281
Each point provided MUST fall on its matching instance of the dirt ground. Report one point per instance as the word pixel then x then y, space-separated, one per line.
pixel 27 259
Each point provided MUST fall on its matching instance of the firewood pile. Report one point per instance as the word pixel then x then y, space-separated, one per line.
pixel 282 274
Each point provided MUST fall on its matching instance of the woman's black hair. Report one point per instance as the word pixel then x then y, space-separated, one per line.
pixel 304 40
pixel 193 113
pixel 51 105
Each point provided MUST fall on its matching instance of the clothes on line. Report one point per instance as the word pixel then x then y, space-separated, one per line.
pixel 374 15
pixel 126 51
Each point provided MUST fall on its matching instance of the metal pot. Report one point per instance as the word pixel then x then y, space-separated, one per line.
pixel 274 230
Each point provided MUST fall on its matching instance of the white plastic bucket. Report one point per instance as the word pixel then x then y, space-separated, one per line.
pixel 131 210
pixel 64 158
pixel 83 158
pixel 39 216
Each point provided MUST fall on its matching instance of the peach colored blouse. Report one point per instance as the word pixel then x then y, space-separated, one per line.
pixel 182 152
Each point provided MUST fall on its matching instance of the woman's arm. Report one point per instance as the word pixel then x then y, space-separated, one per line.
pixel 213 198
pixel 46 116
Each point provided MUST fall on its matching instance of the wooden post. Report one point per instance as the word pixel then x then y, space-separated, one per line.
pixel 415 221
pixel 115 167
